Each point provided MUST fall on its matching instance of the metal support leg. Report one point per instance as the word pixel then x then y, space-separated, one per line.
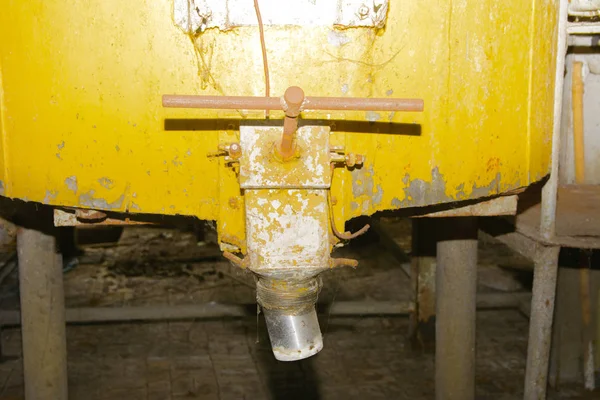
pixel 540 323
pixel 424 241
pixel 456 284
pixel 42 316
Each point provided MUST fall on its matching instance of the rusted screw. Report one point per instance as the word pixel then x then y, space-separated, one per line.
pixel 354 159
pixel 235 151
pixel 363 11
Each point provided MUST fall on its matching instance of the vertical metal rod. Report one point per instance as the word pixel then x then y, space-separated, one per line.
pixel 293 97
pixel 549 192
pixel 42 316
pixel 585 297
pixel 456 283
pixel 577 109
pixel 540 322
pixel 584 267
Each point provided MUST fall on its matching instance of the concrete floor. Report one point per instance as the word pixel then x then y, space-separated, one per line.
pixel 363 358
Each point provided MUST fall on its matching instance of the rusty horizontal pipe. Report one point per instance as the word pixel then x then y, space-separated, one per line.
pixel 362 104
pixel 277 103
pixel 222 102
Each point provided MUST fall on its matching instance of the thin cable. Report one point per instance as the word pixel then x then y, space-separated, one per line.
pixel 264 53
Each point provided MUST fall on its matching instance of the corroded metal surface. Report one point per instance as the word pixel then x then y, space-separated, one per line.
pixel 261 168
pixel 111 147
pixel 63 218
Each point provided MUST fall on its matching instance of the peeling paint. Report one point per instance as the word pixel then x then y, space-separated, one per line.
pixel 1 188
pixel 492 188
pixel 287 231
pixel 50 195
pixel 71 183
pixel 88 200
pixel 378 195
pixel 345 88
pixel 259 168
pixel 60 146
pixel 176 161
pixel 106 182
pixel 362 181
pixel 460 192
pixel 419 193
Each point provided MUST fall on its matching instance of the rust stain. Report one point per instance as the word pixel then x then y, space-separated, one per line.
pixel 234 203
pixel 493 164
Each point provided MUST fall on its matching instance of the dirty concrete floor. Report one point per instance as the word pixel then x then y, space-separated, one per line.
pixel 363 357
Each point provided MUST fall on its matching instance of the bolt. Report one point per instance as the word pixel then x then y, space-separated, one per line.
pixel 235 151
pixel 354 159
pixel 233 203
pixel 363 11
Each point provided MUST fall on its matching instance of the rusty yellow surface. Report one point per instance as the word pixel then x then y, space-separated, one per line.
pixel 82 123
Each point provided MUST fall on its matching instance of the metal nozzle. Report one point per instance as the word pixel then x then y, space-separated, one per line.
pixel 294 337
pixel 289 309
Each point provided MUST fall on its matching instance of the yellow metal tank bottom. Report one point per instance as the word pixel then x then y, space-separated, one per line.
pixel 82 123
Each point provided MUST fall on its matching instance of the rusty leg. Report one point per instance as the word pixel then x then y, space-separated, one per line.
pixel 42 316
pixel 540 323
pixel 424 240
pixel 456 282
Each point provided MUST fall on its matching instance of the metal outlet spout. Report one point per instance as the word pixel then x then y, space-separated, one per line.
pixel 289 309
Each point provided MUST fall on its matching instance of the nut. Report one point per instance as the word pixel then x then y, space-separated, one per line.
pixel 235 151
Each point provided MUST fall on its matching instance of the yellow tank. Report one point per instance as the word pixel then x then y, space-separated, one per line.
pixel 82 123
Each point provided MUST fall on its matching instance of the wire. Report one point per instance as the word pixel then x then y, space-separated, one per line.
pixel 338 234
pixel 263 46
